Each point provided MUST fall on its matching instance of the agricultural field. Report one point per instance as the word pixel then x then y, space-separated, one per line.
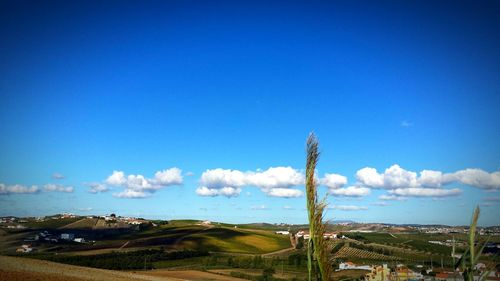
pixel 350 253
pixel 189 249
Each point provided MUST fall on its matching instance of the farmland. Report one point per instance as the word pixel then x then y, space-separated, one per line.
pixel 197 250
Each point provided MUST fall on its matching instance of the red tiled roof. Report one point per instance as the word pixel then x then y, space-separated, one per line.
pixel 442 275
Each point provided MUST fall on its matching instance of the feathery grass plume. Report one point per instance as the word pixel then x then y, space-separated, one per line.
pixel 317 250
pixel 471 256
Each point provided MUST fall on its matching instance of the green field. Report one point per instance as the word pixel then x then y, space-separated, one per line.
pixel 227 248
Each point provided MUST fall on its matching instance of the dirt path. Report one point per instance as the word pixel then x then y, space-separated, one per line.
pixel 15 268
pixel 277 253
pixel 283 251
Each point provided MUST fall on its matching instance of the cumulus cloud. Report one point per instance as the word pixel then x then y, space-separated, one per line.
pixel 227 191
pixel 477 178
pixel 17 189
pixel 428 183
pixel 333 181
pixel 348 207
pixel 167 177
pixel 393 177
pixel 130 193
pixel 425 192
pixel 57 176
pixel 351 191
pixel 138 186
pixel 275 182
pixel 96 187
pixel 116 178
pixel 51 187
pixel 429 178
pixel 396 177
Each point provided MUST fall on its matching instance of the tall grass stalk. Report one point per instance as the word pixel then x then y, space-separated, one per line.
pixel 317 250
pixel 470 258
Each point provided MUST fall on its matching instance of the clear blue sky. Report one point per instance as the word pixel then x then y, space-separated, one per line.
pixel 91 87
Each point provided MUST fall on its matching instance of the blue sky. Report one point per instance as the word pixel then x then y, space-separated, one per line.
pixel 224 91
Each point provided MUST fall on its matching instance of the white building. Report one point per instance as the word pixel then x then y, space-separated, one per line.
pixel 350 265
pixel 67 236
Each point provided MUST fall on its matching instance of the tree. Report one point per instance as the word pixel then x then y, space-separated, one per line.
pixel 300 243
pixel 267 274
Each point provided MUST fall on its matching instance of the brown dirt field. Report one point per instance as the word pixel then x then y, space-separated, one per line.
pixel 31 276
pixel 14 268
pixel 192 275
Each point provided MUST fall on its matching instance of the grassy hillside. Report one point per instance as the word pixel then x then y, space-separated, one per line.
pixel 236 240
pixel 50 223
pixel 188 236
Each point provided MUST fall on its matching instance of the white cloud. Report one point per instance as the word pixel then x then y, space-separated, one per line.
pixel 396 177
pixel 17 189
pixel 50 187
pixel 219 178
pixel 170 176
pixel 189 174
pixel 138 186
pixel 275 182
pixel 286 207
pixel 393 177
pixel 425 192
pixel 229 191
pixel 276 177
pixel 492 199
pixel 224 191
pixel 348 207
pixel 88 209
pixel 96 187
pixel 477 178
pixel 351 191
pixel 333 181
pixel 370 177
pixel 57 176
pixel 429 178
pixel 129 193
pixel 391 197
pixel 117 178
